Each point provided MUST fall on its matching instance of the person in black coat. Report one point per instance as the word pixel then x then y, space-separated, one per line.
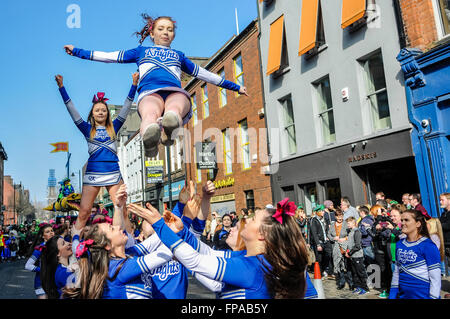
pixel 444 200
pixel 320 242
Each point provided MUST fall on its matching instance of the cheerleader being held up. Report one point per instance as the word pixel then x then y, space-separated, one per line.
pixel 160 92
pixel 100 133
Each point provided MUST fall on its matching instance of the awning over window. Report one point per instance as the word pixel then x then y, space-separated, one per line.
pixel 308 27
pixel 275 45
pixel 352 11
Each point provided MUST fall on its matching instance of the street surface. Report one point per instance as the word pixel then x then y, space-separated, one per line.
pixel 17 283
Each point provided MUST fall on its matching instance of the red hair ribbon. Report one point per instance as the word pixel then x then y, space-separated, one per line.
pixel 40 247
pixel 83 247
pixel 105 219
pixel 99 98
pixel 284 207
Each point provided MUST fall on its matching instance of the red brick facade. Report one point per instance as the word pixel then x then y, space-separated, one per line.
pixel 419 23
pixel 237 108
pixel 9 217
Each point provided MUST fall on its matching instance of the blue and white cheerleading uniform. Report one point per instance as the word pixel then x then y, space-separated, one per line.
pixel 222 290
pixel 417 273
pixel 103 164
pixel 133 281
pixel 33 264
pixel 228 271
pixel 160 69
pixel 63 276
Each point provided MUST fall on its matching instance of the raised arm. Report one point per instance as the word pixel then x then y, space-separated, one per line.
pixel 79 122
pixel 122 56
pixel 192 69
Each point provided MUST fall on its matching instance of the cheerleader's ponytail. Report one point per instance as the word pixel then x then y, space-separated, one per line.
pixel 149 25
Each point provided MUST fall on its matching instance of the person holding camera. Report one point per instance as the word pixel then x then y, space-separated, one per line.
pixel 380 237
pixel 222 233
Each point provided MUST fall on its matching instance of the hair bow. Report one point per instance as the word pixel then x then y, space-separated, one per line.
pixel 105 219
pixel 99 98
pixel 284 207
pixel 40 247
pixel 83 247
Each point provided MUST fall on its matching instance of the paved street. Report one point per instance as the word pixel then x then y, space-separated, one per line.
pixel 17 283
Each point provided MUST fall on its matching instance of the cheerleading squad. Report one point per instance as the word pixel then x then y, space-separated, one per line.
pixel 102 258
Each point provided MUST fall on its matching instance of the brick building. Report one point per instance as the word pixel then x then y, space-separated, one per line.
pixel 424 22
pixel 3 157
pixel 235 123
pixel 9 217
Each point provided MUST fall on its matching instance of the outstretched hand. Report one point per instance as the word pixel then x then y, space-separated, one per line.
pixel 209 189
pixel 192 207
pixel 121 196
pixel 150 214
pixel 243 90
pixel 174 222
pixel 59 80
pixel 187 194
pixel 69 49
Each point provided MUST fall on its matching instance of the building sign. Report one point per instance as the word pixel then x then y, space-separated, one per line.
pixel 224 183
pixel 362 157
pixel 206 155
pixel 222 198
pixel 155 171
pixel 176 189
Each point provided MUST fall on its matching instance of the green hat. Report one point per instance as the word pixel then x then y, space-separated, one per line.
pixel 319 208
pixel 300 206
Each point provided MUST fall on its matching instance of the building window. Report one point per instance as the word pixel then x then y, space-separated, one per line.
pixel 309 196
pixel 289 192
pixel 377 92
pixel 250 199
pixel 442 16
pixel 227 155
pixel 312 33
pixel 290 144
pixel 205 102
pixel 222 91
pixel 238 71
pixel 326 111
pixel 245 144
pixel 194 109
pixel 277 60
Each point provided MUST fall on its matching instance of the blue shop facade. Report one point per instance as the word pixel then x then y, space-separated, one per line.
pixel 427 84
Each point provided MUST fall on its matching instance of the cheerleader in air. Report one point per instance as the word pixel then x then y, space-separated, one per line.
pixel 33 263
pixel 100 133
pixel 274 262
pixel 160 92
pixel 417 273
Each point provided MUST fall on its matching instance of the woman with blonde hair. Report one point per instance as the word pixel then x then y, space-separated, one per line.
pixel 436 235
pixel 100 132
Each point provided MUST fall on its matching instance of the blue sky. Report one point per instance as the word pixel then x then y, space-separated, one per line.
pixel 32 37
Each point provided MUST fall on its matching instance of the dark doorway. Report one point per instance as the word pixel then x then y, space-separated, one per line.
pixel 393 178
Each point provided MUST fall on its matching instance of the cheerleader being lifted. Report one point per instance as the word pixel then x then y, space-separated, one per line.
pixel 160 92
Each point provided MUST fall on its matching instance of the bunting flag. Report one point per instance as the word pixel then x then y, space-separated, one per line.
pixel 60 147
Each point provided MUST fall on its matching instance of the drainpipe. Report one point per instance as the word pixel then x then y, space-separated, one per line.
pixel 400 25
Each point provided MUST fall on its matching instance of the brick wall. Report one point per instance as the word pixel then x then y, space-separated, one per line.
pixel 419 23
pixel 237 108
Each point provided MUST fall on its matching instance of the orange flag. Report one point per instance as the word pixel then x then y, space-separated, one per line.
pixel 60 147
